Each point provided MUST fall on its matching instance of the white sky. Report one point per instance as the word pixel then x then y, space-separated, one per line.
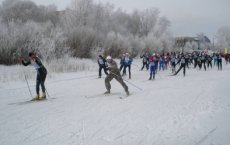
pixel 188 17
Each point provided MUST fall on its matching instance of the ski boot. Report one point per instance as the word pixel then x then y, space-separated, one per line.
pixel 107 92
pixel 35 98
pixel 43 96
pixel 150 77
pixel 127 93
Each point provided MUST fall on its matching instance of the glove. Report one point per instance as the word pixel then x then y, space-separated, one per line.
pixel 108 68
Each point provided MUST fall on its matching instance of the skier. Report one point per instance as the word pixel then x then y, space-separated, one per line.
pixel 187 60
pixel 203 61
pixel 41 74
pixel 102 65
pixel 122 62
pixel 152 69
pixel 156 60
pixel 166 59
pixel 209 61
pixel 215 59
pixel 219 62
pixel 199 63
pixel 182 64
pixel 114 72
pixel 127 63
pixel 195 57
pixel 145 61
pixel 173 63
pixel 162 63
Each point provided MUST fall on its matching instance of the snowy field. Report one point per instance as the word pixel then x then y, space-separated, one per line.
pixel 171 110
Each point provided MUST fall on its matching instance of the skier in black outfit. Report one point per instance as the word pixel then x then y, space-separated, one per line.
pixel 203 61
pixel 209 61
pixel 145 62
pixel 41 74
pixel 195 57
pixel 219 62
pixel 199 63
pixel 187 60
pixel 102 65
pixel 182 64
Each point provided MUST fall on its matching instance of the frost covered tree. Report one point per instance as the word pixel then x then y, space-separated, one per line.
pixel 79 31
pixel 24 26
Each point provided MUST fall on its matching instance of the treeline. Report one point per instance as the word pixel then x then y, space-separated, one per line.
pixel 83 30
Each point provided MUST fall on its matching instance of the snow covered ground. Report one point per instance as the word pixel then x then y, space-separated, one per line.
pixel 171 110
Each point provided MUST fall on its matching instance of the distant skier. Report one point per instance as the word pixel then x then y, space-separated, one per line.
pixel 199 63
pixel 203 61
pixel 156 61
pixel 173 63
pixel 41 74
pixel 152 69
pixel 122 60
pixel 182 64
pixel 114 72
pixel 195 57
pixel 166 59
pixel 215 59
pixel 102 65
pixel 145 61
pixel 162 63
pixel 127 64
pixel 187 60
pixel 209 61
pixel 219 62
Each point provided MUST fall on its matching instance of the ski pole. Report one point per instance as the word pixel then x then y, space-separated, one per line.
pixel 128 82
pixel 27 83
pixel 17 55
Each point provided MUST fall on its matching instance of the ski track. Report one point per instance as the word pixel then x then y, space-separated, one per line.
pixel 173 110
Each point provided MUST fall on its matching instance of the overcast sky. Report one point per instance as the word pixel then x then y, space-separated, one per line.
pixel 188 17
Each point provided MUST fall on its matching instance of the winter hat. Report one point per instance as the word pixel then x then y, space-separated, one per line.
pixel 108 58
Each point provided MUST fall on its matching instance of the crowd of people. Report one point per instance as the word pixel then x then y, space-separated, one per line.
pixel 201 60
pixel 160 62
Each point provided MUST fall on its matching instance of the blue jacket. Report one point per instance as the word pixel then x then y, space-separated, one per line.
pixel 128 60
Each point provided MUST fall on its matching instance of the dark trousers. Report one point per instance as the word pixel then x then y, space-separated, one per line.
pixel 41 77
pixel 173 65
pixel 209 64
pixel 181 66
pixel 100 69
pixel 219 65
pixel 124 71
pixel 145 64
pixel 121 67
pixel 195 63
pixel 152 73
pixel 203 63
